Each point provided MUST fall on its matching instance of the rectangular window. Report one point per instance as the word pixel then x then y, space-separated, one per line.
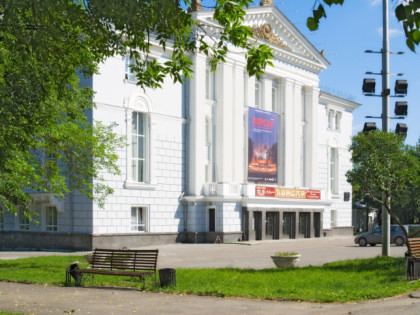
pixel 138 145
pixel 212 220
pixel 258 93
pixel 23 221
pixel 139 219
pixel 209 154
pixel 51 218
pixel 334 171
pixel 130 74
pixel 330 119
pixel 274 97
pixel 210 84
pixel 337 121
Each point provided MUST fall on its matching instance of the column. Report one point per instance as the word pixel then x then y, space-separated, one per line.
pixel 224 119
pixel 197 126
pixel 297 135
pixel 240 137
pixel 286 87
pixel 266 94
pixel 312 141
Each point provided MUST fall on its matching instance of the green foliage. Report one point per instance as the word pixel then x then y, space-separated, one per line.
pixel 384 168
pixel 319 12
pixel 343 281
pixel 283 254
pixel 47 141
pixel 408 12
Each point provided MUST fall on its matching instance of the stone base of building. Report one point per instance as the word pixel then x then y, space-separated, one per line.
pixel 12 240
pixel 212 237
pixel 339 231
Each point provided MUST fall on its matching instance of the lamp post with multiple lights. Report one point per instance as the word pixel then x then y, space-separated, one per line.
pixel 400 109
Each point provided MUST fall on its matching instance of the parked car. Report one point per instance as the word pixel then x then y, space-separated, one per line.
pixel 375 237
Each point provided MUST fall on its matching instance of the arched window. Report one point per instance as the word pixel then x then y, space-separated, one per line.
pixel 139 136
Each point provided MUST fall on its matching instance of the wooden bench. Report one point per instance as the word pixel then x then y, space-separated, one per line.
pixel 413 259
pixel 122 262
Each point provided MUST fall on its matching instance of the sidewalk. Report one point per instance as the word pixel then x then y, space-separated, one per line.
pixel 37 299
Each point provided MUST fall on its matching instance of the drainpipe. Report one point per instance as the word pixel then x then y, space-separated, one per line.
pixel 186 144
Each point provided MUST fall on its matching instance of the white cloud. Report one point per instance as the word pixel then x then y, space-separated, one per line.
pixel 392 32
pixel 375 2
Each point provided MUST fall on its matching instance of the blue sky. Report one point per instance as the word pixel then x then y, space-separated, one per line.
pixel 346 33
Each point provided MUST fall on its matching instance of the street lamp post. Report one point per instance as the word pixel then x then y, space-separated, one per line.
pixel 385 121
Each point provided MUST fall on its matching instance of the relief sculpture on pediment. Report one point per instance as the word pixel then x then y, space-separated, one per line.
pixel 266 32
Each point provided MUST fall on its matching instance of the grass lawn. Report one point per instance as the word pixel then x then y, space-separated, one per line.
pixel 344 281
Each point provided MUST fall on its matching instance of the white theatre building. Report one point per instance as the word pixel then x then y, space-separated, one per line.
pixel 223 155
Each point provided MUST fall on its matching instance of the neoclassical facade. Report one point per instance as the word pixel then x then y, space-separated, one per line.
pixel 197 167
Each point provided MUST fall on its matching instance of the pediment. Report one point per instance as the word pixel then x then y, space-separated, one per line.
pixel 271 27
pixel 266 33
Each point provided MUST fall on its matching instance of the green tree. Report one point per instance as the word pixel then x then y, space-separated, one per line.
pixel 47 140
pixel 383 168
pixel 407 205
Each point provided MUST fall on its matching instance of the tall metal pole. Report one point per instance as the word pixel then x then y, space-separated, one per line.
pixel 385 120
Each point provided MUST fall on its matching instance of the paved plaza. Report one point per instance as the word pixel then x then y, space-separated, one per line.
pixel 38 299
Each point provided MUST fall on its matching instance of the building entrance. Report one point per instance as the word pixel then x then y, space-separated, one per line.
pixel 317 224
pixel 305 224
pixel 289 225
pixel 257 218
pixel 272 225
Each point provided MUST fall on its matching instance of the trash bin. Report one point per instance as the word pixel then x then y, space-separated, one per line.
pixel 167 276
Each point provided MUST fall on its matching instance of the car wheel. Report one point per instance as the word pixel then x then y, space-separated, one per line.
pixel 372 244
pixel 399 241
pixel 362 242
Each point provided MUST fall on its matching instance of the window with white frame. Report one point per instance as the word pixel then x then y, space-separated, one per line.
pixel 130 74
pixel 210 84
pixel 23 221
pixel 139 219
pixel 209 151
pixel 330 119
pixel 212 220
pixel 337 121
pixel 334 171
pixel 51 218
pixel 275 97
pixel 333 218
pixel 258 93
pixel 138 147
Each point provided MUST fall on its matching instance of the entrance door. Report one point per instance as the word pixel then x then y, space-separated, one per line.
pixel 317 224
pixel 272 225
pixel 305 224
pixel 257 216
pixel 289 224
pixel 245 225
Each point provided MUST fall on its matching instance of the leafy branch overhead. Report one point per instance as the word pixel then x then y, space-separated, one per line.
pixel 407 12
pixel 48 51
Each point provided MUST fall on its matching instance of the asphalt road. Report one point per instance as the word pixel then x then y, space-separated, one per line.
pixel 247 255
